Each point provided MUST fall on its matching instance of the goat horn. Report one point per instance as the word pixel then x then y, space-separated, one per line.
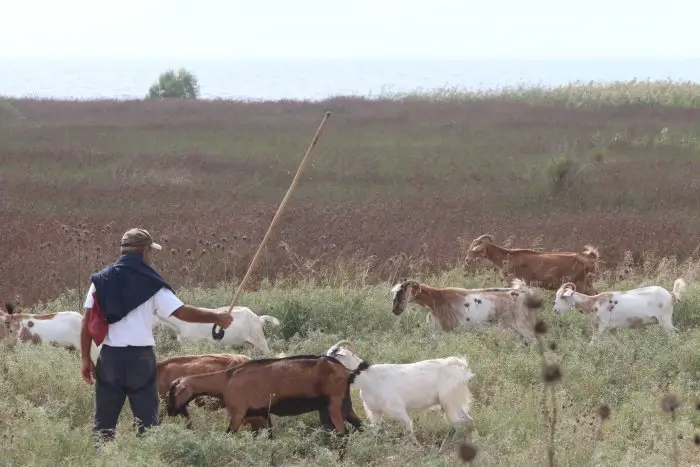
pixel 486 238
pixel 481 239
pixel 346 342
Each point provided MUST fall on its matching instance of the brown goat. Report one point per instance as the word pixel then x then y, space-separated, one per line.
pixel 170 369
pixel 544 269
pixel 281 386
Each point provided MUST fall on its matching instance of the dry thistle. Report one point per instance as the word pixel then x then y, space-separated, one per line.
pixel 553 346
pixel 534 299
pixel 551 373
pixel 604 412
pixel 669 403
pixel 540 327
pixel 467 451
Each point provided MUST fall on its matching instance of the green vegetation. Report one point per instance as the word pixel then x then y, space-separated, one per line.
pixel 592 95
pixel 182 85
pixel 48 418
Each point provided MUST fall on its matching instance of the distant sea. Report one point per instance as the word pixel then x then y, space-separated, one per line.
pixel 318 79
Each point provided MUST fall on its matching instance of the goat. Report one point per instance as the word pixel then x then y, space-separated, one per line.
pixel 390 390
pixel 544 269
pixel 280 386
pixel 247 327
pixel 61 329
pixel 452 308
pixel 630 308
pixel 170 369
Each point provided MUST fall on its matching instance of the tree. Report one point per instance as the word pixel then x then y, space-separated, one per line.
pixel 183 85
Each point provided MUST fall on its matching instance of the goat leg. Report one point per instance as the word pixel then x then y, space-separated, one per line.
pixel 324 418
pixel 335 412
pixel 236 419
pixel 349 414
pixel 354 420
pixel 185 413
pixel 258 423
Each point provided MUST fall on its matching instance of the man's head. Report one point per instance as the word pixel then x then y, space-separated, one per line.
pixel 138 241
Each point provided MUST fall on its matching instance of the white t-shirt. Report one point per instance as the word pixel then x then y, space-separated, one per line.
pixel 136 328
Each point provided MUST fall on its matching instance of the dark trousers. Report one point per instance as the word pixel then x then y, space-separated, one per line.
pixel 125 372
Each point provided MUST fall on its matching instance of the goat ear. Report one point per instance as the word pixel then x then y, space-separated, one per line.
pixel 179 388
pixel 567 292
pixel 478 248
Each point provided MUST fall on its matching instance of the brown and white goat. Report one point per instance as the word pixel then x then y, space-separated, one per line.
pixel 452 308
pixel 61 329
pixel 652 305
pixel 541 268
pixel 280 386
pixel 170 369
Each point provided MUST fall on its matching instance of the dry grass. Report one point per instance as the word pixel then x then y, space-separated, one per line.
pixel 402 181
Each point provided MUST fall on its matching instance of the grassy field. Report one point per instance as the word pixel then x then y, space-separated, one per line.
pixel 47 407
pixel 398 187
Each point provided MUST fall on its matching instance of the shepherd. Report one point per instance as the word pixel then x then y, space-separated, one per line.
pixel 119 314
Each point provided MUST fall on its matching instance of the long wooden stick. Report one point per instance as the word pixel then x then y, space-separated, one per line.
pixel 218 335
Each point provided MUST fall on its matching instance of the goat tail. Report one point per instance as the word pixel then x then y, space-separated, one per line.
pixel 10 308
pixel 454 394
pixel 679 289
pixel 270 319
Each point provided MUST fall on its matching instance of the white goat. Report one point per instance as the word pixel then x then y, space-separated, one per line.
pixel 61 329
pixel 247 327
pixel 390 390
pixel 452 308
pixel 630 308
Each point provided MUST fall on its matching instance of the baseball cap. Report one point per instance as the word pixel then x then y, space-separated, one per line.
pixel 137 238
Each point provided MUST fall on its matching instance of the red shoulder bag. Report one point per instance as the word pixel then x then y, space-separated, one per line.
pixel 97 325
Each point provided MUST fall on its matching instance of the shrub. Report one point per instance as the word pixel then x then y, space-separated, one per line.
pixel 182 85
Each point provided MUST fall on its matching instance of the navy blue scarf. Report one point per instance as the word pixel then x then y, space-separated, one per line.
pixel 126 284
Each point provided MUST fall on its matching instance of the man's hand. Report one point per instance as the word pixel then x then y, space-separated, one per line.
pixel 88 370
pixel 224 318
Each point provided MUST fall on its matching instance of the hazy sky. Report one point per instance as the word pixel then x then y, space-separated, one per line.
pixel 349 29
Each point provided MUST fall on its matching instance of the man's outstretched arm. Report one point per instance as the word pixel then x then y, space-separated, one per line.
pixel 194 314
